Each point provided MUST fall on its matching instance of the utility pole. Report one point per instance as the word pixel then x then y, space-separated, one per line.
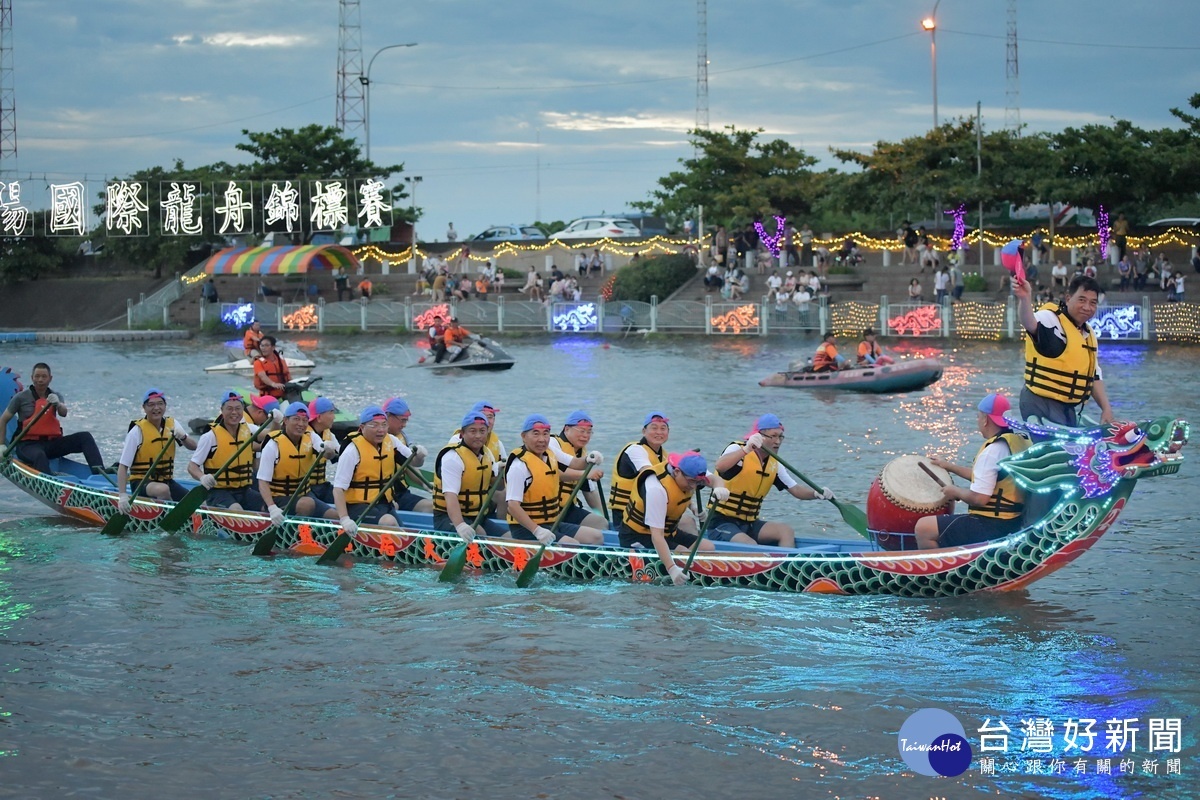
pixel 350 108
pixel 8 103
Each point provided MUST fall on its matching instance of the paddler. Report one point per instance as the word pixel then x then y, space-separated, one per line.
pixel 45 440
pixel 662 495
pixel 271 373
pixel 265 414
pixel 398 413
pixel 870 353
pixel 994 501
pixel 321 415
pixel 365 466
pixel 635 457
pixel 232 488
pixel 1061 371
pixel 250 340
pixel 569 448
pixel 285 460
pixel 489 411
pixel 463 473
pixel 532 492
pixel 749 472
pixel 826 359
pixel 145 440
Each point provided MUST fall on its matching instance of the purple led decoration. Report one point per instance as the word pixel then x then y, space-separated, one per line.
pixel 960 227
pixel 772 242
pixel 1102 226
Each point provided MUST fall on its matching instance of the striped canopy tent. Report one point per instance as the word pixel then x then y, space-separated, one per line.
pixel 292 260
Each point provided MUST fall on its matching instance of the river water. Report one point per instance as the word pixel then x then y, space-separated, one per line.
pixel 158 666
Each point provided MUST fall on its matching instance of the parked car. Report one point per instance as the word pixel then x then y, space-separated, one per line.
pixel 598 228
pixel 510 233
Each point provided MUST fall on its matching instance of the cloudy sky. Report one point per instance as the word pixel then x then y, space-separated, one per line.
pixel 601 94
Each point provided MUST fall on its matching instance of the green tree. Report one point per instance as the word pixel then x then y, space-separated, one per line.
pixel 31 257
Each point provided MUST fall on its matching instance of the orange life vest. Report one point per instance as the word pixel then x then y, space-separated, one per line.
pixel 45 428
pixel 825 357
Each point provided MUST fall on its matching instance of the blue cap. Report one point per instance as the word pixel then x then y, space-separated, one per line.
pixel 692 465
pixel 577 417
pixel 319 406
pixel 231 395
pixel 767 422
pixel 534 420
pixel 660 415
pixel 265 402
pixel 994 406
pixel 295 409
pixel 484 405
pixel 369 413
pixel 154 393
pixel 396 406
pixel 472 417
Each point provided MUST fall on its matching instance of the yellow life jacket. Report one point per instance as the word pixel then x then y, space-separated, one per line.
pixel 624 478
pixel 1007 500
pixel 374 469
pixel 541 499
pixel 475 484
pixel 401 484
pixel 320 478
pixel 240 473
pixel 153 441
pixel 748 484
pixel 677 500
pixel 492 443
pixel 1069 377
pixel 565 487
pixel 293 463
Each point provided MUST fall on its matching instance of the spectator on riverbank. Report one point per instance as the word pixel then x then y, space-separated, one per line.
pixel 914 291
pixel 209 292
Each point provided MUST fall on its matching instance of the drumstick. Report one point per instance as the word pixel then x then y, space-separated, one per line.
pixel 929 472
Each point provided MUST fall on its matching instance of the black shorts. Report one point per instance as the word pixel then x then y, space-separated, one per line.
pixel 491 527
pixel 246 497
pixel 724 528
pixel 371 517
pixel 629 538
pixel 177 490
pixel 958 530
pixel 521 532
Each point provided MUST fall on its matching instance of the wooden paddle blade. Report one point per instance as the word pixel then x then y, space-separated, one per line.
pixel 335 550
pixel 530 570
pixel 454 564
pixel 266 543
pixel 174 519
pixel 853 516
pixel 115 525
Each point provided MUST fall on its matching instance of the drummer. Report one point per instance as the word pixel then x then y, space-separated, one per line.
pixel 749 472
pixel 146 439
pixel 994 502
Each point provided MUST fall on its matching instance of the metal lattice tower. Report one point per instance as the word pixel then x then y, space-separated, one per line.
pixel 702 64
pixel 350 110
pixel 1012 84
pixel 8 102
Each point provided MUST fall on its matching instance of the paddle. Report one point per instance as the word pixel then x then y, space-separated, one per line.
pixel 335 550
pixel 117 522
pixel 266 542
pixel 420 478
pixel 712 503
pixel 853 515
pixel 603 502
pixel 21 433
pixel 529 571
pixel 184 509
pixel 458 556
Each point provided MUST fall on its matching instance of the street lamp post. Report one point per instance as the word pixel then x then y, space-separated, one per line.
pixel 930 24
pixel 413 181
pixel 365 80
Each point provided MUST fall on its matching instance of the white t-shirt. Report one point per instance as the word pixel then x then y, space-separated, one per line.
pixel 802 298
pixel 348 461
pixel 269 457
pixel 133 440
pixel 656 502
pixel 208 443
pixel 984 471
pixel 940 280
pixel 774 282
pixel 784 476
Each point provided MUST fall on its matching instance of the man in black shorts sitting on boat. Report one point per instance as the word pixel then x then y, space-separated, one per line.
pixel 995 503
pixel 45 439
pixel 147 437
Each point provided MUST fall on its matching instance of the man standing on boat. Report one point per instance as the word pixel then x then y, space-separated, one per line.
pixel 45 440
pixel 1061 372
pixel 145 440
pixel 994 503
pixel 749 472
pixel 635 457
pixel 271 373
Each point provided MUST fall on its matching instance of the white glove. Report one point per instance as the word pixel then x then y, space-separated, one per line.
pixel 825 494
pixel 277 416
pixel 720 494
pixel 123 504
pixel 208 481
pixel 678 576
pixel 497 467
pixel 276 514
pixel 331 448
pixel 419 451
pixel 752 441
pixel 3 450
pixel 594 457
pixel 349 525
pixel 466 530
pixel 52 399
pixel 543 535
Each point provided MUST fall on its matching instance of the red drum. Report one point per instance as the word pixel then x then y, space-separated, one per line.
pixel 900 495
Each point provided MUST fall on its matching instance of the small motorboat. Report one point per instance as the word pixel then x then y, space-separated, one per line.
pixel 479 354
pixel 902 376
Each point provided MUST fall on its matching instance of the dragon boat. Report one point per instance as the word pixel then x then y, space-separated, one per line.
pixel 1078 481
pixel 903 376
